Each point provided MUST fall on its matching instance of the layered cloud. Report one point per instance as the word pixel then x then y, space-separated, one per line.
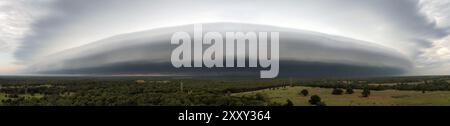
pixel 417 30
pixel 303 53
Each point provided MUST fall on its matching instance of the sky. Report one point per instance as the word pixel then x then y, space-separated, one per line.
pixel 33 30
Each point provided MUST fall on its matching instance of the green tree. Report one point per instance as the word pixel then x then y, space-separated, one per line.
pixel 366 92
pixel 304 92
pixel 349 90
pixel 337 91
pixel 289 103
pixel 314 100
pixel 261 96
pixel 321 104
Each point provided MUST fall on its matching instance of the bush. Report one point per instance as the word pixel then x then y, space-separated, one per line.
pixel 366 92
pixel 289 103
pixel 349 90
pixel 304 92
pixel 321 104
pixel 337 91
pixel 314 100
pixel 261 96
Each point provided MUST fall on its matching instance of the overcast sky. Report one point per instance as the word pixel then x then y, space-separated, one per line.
pixel 30 30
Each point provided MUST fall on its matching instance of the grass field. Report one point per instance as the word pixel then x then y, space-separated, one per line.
pixel 377 98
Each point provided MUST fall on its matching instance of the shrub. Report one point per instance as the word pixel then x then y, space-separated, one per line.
pixel 314 100
pixel 337 91
pixel 304 92
pixel 261 96
pixel 349 90
pixel 366 92
pixel 321 104
pixel 289 103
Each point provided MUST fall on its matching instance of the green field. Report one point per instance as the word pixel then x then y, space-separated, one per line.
pixel 377 98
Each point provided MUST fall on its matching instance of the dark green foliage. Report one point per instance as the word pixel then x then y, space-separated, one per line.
pixel 261 96
pixel 314 100
pixel 349 90
pixel 321 104
pixel 432 83
pixel 337 91
pixel 366 92
pixel 304 92
pixel 289 103
pixel 123 91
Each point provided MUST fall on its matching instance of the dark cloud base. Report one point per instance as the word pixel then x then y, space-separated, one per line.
pixel 287 69
pixel 302 53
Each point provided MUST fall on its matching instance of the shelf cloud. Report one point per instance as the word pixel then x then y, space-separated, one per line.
pixel 302 53
pixel 410 36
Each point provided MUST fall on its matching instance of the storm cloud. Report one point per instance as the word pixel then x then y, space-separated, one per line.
pixel 302 53
pixel 415 32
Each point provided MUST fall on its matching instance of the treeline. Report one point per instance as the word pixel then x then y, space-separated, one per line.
pixel 425 85
pixel 246 89
pixel 126 92
pixel 33 90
